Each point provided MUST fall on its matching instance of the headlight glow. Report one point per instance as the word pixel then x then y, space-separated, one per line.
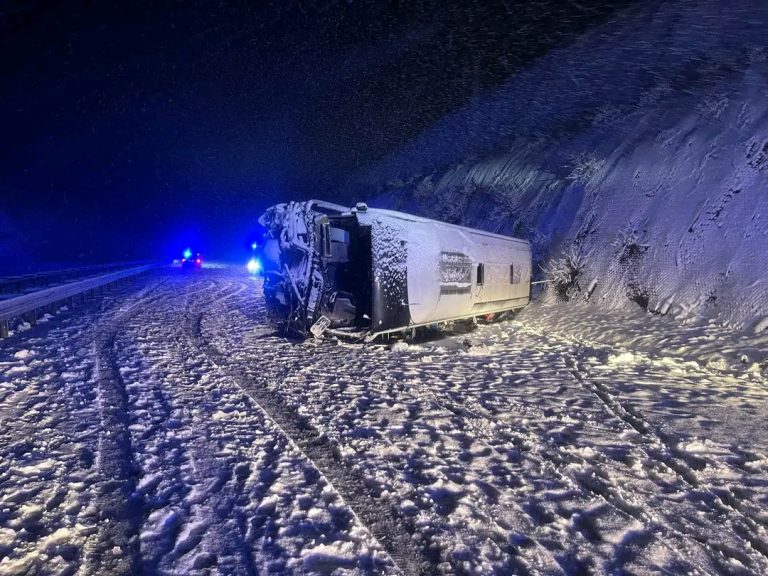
pixel 253 266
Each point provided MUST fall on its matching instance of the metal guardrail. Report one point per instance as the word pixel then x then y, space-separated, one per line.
pixel 22 282
pixel 29 304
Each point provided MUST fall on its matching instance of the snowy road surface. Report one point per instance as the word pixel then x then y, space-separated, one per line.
pixel 165 429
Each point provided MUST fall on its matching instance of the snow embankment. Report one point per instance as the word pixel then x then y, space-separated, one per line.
pixel 635 160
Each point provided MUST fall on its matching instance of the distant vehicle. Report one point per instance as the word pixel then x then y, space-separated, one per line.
pixel 191 261
pixel 365 272
pixel 253 266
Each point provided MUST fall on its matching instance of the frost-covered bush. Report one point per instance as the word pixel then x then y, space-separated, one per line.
pixel 564 271
pixel 584 167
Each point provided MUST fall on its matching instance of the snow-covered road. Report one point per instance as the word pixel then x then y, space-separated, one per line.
pixel 165 429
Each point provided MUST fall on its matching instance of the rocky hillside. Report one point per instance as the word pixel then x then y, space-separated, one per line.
pixel 635 159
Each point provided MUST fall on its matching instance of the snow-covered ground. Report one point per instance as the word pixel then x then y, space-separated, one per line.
pixel 166 429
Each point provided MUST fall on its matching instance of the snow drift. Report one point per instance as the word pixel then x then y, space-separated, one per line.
pixel 635 160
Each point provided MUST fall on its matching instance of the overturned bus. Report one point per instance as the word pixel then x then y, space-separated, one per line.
pixel 362 272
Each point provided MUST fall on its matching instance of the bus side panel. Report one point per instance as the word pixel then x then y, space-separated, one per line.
pixel 389 248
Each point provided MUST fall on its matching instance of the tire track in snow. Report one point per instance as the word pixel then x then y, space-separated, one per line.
pixel 504 508
pixel 490 431
pixel 666 527
pixel 683 464
pixel 672 458
pixel 116 550
pixel 150 410
pixel 381 521
pixel 195 485
pixel 271 513
pixel 386 526
pixel 471 417
pixel 218 500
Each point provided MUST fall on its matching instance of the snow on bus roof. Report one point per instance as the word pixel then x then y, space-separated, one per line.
pixel 343 210
pixel 421 219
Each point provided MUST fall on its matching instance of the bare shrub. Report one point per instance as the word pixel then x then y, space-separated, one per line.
pixel 584 167
pixel 563 272
pixel 630 242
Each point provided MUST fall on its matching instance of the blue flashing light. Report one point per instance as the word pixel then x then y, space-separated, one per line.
pixel 188 253
pixel 254 245
pixel 253 266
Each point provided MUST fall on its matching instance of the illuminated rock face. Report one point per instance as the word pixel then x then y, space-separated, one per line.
pixel 635 160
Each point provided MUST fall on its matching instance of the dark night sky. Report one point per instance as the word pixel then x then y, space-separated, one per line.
pixel 133 128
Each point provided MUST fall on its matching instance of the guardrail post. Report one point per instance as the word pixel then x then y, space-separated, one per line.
pixel 3 328
pixel 31 317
